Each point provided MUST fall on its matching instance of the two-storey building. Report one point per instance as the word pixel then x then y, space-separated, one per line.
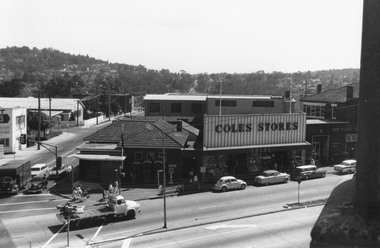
pixel 331 123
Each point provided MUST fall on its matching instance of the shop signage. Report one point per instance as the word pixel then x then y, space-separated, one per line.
pixel 234 128
pixel 252 130
pixel 4 118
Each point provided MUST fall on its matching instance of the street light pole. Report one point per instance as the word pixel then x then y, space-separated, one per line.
pixel 164 176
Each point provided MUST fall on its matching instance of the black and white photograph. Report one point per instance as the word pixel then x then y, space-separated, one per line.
pixel 198 123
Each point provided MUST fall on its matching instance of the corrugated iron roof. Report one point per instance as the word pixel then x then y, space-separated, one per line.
pixel 32 103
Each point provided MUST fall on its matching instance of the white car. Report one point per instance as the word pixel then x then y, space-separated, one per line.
pixel 229 183
pixel 272 177
pixel 347 166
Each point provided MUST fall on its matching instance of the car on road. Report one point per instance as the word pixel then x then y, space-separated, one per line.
pixel 271 177
pixel 39 169
pixel 37 185
pixel 346 166
pixel 229 183
pixel 54 174
pixel 306 172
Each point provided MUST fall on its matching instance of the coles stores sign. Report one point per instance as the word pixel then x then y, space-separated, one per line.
pixel 233 130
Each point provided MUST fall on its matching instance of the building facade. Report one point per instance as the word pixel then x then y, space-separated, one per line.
pixel 13 126
pixel 249 144
pixel 332 123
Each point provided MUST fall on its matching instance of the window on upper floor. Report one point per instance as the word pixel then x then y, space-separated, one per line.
pixel 196 108
pixel 154 107
pixel 175 108
pixel 263 104
pixel 316 111
pixel 333 111
pixel 138 156
pixel 226 103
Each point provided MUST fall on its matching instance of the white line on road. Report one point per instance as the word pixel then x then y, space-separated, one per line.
pixel 55 235
pixel 97 232
pixel 65 154
pixel 26 210
pixel 126 243
pixel 220 226
pixel 18 203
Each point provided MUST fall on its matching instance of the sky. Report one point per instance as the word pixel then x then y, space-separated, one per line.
pixel 196 36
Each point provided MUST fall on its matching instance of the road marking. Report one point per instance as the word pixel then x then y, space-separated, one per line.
pixel 65 154
pixel 26 210
pixel 126 243
pixel 18 203
pixel 21 195
pixel 214 227
pixel 55 235
pixel 97 232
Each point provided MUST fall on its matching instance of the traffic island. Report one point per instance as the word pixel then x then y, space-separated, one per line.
pixel 306 204
pixel 341 225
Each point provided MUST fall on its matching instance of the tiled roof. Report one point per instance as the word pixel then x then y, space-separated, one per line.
pixel 333 96
pixel 141 133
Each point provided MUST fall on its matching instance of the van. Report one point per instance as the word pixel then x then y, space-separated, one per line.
pixel 39 169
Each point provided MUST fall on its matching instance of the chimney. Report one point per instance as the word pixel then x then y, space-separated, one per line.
pixel 319 88
pixel 350 92
pixel 287 94
pixel 179 126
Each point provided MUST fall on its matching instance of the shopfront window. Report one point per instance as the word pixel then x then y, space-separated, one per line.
pixel 216 165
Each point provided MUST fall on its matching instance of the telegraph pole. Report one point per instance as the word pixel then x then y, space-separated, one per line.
pixel 39 119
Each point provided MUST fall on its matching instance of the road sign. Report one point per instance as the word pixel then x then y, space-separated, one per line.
pixel 4 118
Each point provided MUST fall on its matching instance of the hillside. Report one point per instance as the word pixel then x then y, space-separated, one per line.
pixel 60 74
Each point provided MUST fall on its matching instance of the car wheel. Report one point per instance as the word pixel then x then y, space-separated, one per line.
pixel 267 183
pixel 131 214
pixel 285 180
pixel 307 178
pixel 243 186
pixel 224 189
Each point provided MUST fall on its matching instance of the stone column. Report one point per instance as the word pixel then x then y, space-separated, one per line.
pixel 367 193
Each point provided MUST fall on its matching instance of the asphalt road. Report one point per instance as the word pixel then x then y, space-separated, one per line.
pixel 33 221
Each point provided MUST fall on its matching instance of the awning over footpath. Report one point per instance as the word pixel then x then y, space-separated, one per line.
pixel 96 157
pixel 273 147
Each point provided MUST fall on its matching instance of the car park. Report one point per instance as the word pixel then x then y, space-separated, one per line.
pixel 229 183
pixel 305 172
pixel 37 185
pixel 271 177
pixel 347 166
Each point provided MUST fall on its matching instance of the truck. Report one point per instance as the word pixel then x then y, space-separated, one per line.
pixel 115 207
pixel 14 175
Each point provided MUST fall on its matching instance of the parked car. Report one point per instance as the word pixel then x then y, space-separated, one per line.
pixel 272 177
pixel 229 183
pixel 347 166
pixel 305 172
pixel 37 185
